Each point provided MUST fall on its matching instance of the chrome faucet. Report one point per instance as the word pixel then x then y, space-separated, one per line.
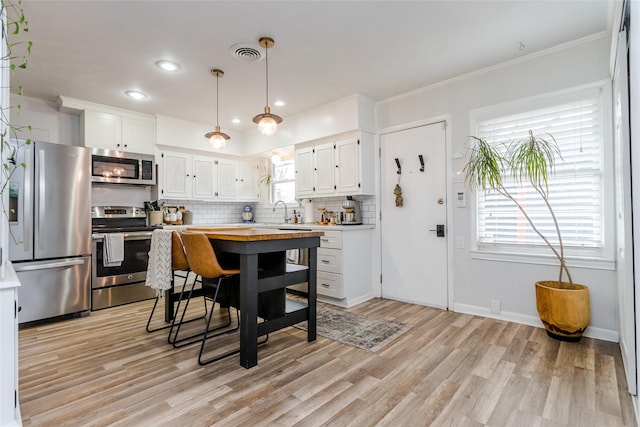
pixel 286 218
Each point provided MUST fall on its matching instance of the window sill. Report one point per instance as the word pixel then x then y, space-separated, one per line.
pixel 590 263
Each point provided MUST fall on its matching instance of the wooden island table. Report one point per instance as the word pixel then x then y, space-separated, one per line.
pixel 264 275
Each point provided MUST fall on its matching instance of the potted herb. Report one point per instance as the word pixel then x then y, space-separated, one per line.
pixel 563 306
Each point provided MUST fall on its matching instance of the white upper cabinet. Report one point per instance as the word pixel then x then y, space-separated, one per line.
pixel 120 132
pixel 336 166
pixel 347 175
pixel 249 189
pixel 176 175
pixel 102 130
pixel 228 179
pixel 304 172
pixel 201 177
pixel 324 167
pixel 138 134
pixel 205 178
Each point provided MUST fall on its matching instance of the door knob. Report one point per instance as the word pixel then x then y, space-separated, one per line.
pixel 439 230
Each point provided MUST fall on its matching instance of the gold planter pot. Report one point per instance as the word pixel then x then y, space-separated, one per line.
pixel 565 313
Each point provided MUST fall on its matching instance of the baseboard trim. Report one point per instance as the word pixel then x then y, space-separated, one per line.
pixel 591 332
pixel 347 302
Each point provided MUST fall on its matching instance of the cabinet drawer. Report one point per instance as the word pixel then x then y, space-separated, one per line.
pixel 330 260
pixel 329 284
pixel 331 239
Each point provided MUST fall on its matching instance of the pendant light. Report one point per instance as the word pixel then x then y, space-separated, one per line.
pixel 267 122
pixel 217 139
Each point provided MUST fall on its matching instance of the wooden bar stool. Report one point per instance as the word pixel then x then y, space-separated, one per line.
pixel 203 262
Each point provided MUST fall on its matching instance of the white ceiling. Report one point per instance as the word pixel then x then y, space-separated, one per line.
pixel 325 50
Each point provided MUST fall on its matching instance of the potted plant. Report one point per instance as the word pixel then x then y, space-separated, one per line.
pixel 563 306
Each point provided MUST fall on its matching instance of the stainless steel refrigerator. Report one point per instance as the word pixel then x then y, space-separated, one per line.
pixel 50 230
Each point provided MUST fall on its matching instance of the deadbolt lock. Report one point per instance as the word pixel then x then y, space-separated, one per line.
pixel 440 201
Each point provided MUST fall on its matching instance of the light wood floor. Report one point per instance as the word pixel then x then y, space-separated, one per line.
pixel 448 369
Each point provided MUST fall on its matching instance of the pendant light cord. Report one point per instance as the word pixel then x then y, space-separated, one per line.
pixel 266 60
pixel 217 96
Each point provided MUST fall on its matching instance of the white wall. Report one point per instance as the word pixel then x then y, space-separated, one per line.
pixel 47 123
pixel 354 112
pixel 477 282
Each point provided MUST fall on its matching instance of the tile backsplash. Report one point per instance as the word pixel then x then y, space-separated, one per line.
pixel 228 213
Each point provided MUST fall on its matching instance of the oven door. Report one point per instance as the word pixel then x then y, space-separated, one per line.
pixel 134 266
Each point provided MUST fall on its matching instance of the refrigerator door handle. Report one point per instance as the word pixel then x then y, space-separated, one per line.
pixel 41 200
pixel 28 203
pixel 57 264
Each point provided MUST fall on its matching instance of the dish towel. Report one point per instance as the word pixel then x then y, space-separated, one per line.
pixel 293 256
pixel 113 253
pixel 159 267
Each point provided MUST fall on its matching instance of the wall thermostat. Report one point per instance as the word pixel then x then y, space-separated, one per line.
pixel 460 200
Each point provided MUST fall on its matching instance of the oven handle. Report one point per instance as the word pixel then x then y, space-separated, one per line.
pixel 143 235
pixel 59 264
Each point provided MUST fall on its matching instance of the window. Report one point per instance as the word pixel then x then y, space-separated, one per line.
pixel 283 181
pixel 576 188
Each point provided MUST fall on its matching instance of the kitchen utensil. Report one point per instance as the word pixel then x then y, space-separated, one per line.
pixel 187 217
pixel 155 217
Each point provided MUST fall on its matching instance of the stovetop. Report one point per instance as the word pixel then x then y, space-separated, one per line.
pixel 119 219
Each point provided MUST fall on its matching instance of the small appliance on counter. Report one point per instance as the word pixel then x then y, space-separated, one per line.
pixel 351 212
pixel 247 215
pixel 309 210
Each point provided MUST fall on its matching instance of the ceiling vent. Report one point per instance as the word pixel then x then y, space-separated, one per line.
pixel 246 52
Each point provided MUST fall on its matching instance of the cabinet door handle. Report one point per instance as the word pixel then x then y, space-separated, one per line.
pixel 324 285
pixel 325 261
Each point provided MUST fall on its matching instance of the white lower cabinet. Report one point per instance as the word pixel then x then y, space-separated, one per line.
pixel 9 408
pixel 344 272
pixel 330 284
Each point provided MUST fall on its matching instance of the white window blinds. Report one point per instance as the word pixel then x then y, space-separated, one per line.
pixel 575 189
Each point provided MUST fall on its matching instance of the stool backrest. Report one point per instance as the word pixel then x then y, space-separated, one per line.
pixel 178 257
pixel 200 255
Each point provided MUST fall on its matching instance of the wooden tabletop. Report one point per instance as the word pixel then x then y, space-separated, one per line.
pixel 248 234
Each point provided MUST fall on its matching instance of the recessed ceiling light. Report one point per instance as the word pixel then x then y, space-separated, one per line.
pixel 136 94
pixel 236 120
pixel 279 103
pixel 167 65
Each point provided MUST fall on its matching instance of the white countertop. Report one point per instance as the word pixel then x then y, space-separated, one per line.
pixel 279 226
pixel 10 279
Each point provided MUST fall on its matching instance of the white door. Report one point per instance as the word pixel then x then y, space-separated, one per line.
pixel 414 251
pixel 624 231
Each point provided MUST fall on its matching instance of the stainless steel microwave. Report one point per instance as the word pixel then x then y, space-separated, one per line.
pixel 119 167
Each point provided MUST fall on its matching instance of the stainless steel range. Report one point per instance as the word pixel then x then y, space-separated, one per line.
pixel 125 283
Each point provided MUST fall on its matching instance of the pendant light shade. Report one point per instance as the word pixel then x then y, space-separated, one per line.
pixel 267 122
pixel 217 139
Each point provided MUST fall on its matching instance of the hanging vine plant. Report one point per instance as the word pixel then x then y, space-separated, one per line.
pixel 15 55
